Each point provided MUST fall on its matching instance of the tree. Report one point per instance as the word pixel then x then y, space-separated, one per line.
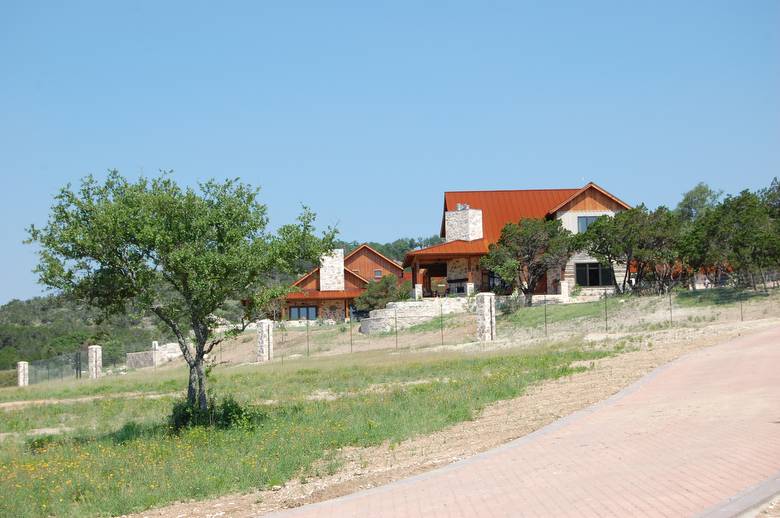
pixel 617 240
pixel 177 253
pixel 697 201
pixel 526 251
pixel 379 293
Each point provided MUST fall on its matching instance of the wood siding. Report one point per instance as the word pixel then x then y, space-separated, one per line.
pixel 592 200
pixel 365 261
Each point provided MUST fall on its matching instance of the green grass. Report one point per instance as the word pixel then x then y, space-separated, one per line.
pixel 129 461
pixel 717 297
pixel 534 316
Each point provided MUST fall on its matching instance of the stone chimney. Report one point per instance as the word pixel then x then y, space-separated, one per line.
pixel 332 271
pixel 463 223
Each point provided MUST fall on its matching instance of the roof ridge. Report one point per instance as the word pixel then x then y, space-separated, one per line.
pixel 515 190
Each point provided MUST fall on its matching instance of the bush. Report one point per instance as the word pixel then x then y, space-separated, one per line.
pixel 227 413
pixel 379 293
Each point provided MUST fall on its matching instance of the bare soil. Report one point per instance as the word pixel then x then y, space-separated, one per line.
pixel 360 468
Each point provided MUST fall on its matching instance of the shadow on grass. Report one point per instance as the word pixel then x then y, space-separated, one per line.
pixel 718 296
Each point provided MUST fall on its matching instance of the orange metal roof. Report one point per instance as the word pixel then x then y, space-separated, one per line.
pixel 502 207
pixel 324 295
pixel 456 248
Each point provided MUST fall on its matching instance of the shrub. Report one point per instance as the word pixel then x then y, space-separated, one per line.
pixel 227 413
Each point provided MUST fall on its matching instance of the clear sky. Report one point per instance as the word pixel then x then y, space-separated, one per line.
pixel 368 113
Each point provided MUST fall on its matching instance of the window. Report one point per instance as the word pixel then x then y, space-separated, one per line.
pixel 593 274
pixel 583 222
pixel 377 274
pixel 303 313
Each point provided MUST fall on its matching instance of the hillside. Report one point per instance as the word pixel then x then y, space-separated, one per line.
pixel 43 327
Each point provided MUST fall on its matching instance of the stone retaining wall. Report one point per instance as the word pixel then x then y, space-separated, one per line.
pixel 413 312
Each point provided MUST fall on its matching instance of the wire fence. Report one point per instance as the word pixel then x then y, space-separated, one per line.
pixel 64 366
pixel 605 315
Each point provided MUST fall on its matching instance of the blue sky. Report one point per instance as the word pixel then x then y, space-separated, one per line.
pixel 368 113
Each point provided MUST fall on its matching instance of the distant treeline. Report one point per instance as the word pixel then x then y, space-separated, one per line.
pixel 395 249
pixel 44 327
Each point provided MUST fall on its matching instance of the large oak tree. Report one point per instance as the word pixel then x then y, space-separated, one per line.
pixel 179 253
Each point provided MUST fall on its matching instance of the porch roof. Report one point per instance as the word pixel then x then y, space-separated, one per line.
pixel 457 248
pixel 324 295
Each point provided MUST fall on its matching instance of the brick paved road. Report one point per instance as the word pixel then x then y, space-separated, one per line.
pixel 684 441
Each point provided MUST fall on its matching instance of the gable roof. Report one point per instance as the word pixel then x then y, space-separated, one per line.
pixel 374 251
pixel 502 207
pixel 590 185
pixel 353 252
pixel 510 206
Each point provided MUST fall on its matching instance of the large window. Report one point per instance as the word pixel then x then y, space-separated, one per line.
pixel 303 313
pixel 583 222
pixel 593 274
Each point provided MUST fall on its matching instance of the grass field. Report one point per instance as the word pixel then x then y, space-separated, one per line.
pixel 122 457
pixel 116 454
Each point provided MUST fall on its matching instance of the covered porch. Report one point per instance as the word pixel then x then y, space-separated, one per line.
pixel 449 269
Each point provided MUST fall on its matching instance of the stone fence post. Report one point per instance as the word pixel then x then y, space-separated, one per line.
pixel 486 317
pixel 95 361
pixel 265 340
pixel 418 292
pixel 22 374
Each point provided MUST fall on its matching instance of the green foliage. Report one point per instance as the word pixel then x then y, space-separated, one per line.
pixel 526 250
pixel 43 327
pixel 179 253
pixel 697 201
pixel 395 249
pixel 225 413
pixel 149 466
pixel 379 293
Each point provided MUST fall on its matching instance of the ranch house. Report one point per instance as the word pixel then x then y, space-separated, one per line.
pixel 327 292
pixel 472 220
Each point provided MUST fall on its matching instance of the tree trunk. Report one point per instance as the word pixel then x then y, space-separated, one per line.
pixel 196 387
pixel 529 298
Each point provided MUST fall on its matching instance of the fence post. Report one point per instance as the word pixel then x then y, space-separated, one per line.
pixel 22 374
pixel 545 314
pixel 671 321
pixel 95 361
pixel 606 316
pixel 265 340
pixel 307 337
pixel 486 317
pixel 350 335
pixel 741 314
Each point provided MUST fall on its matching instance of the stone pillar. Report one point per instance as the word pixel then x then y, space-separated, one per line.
pixel 486 317
pixel 564 290
pixel 470 289
pixel 95 361
pixel 265 340
pixel 22 374
pixel 418 292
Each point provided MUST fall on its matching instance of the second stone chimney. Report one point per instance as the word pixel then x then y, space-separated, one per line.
pixel 332 271
pixel 464 223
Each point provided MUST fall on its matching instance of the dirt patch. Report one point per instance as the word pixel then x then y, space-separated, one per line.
pixel 361 468
pixel 15 405
pixel 770 510
pixel 36 431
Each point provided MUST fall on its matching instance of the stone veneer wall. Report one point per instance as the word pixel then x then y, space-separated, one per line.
pixel 413 312
pixel 465 224
pixel 332 271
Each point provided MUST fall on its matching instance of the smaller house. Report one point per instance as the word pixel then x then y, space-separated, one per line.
pixel 328 291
